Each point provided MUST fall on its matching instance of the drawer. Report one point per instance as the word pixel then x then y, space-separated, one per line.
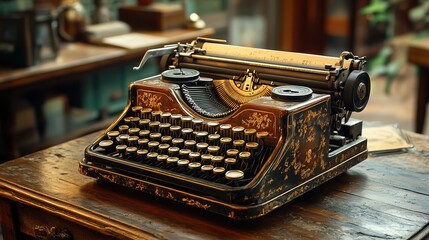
pixel 33 221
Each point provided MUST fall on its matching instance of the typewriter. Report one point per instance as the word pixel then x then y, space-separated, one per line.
pixel 234 130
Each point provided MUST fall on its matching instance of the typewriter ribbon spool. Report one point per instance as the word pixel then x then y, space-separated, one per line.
pixel 234 130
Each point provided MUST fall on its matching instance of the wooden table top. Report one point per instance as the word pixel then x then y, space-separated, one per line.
pixel 77 58
pixel 386 196
pixel 418 52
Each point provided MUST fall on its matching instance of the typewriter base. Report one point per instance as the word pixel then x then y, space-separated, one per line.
pixel 346 157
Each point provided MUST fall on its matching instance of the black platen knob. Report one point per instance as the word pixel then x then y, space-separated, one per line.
pixel 291 93
pixel 356 90
pixel 180 75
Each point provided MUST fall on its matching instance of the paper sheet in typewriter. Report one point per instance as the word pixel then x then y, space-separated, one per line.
pixel 233 130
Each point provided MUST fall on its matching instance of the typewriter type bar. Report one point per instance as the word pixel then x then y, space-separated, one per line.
pixel 215 131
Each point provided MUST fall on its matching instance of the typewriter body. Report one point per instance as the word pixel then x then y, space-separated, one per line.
pixel 234 130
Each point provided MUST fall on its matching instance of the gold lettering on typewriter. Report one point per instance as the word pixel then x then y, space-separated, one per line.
pixel 259 121
pixel 148 99
pixel 195 203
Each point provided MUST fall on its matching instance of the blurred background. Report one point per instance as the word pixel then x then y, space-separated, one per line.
pixel 48 114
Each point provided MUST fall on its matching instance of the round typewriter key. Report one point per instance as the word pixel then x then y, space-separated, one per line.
pixel 123 138
pixel 133 131
pixel 234 174
pixel 132 140
pixel 190 144
pixel 183 153
pixel 112 134
pixel 177 142
pixel 155 136
pixel 232 152
pixel 151 156
pixel 131 151
pixel 180 75
pixel 137 110
pixel 207 168
pixel 225 143
pixel 144 123
pixel 217 160
pixel 141 154
pixel 142 142
pixel 175 119
pixel 213 149
pixel 154 126
pixel 186 132
pixel 252 146
pixel 134 121
pixel 202 147
pixel 182 163
pixel 213 138
pixel 173 151
pixel 249 134
pixel 123 128
pixel 146 113
pixel 212 127
pixel 165 117
pixel 166 139
pixel 164 128
pixel 162 158
pixel 201 136
pixel 153 145
pixel 291 93
pixel 172 160
pixel 230 163
pixel 238 144
pixel 218 170
pixel 156 115
pixel 105 144
pixel 225 130
pixel 128 119
pixel 163 147
pixel 175 130
pixel 206 158
pixel 261 137
pixel 194 156
pixel 194 165
pixel 144 133
pixel 237 132
pixel 197 124
pixel 121 149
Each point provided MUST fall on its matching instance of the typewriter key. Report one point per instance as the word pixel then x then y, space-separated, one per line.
pixel 164 128
pixel 230 163
pixel 249 134
pixel 131 152
pixel 225 143
pixel 180 75
pixel 123 128
pixel 144 133
pixel 120 149
pixel 194 165
pixel 177 142
pixel 213 149
pixel 112 135
pixel 234 175
pixel 145 113
pixel 212 127
pixel 237 132
pixel 202 147
pixel 166 139
pixel 155 136
pixel 156 115
pixel 197 124
pixel 218 170
pixel 232 152
pixel 217 160
pixel 127 120
pixel 163 148
pixel 134 121
pixel 161 159
pixel 194 156
pixel 175 119
pixel 105 144
pixel 132 140
pixel 201 136
pixel 190 144
pixel 154 126
pixel 133 131
pixel 173 151
pixel 239 144
pixel 151 157
pixel 142 154
pixel 207 168
pixel 144 123
pixel 225 130
pixel 184 153
pixel 123 138
pixel 182 163
pixel 172 160
pixel 291 93
pixel 165 117
pixel 142 142
pixel 206 158
pixel 185 121
pixel 186 133
pixel 137 110
pixel 214 139
pixel 153 145
pixel 175 130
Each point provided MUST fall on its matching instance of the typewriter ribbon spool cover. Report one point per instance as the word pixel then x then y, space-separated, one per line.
pixel 234 130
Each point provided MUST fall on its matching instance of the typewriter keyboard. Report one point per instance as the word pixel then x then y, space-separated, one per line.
pixel 208 150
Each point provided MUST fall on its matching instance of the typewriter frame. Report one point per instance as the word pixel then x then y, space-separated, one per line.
pixel 257 198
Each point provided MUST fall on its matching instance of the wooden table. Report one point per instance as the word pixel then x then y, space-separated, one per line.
pixel 418 53
pixel 74 59
pixel 384 197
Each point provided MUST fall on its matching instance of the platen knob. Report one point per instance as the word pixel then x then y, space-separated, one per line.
pixel 291 93
pixel 180 75
pixel 356 90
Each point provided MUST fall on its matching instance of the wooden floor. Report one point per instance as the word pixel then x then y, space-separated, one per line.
pixel 398 107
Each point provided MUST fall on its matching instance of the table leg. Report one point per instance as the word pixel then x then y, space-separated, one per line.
pixel 422 98
pixel 8 219
pixel 9 149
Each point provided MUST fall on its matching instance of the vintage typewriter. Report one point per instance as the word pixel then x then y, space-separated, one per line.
pixel 234 130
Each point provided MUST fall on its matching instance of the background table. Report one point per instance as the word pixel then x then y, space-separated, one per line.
pixel 386 196
pixel 418 53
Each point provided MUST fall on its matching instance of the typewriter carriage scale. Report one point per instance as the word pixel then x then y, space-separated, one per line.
pixel 233 130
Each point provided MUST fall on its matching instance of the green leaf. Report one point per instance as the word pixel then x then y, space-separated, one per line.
pixel 376 6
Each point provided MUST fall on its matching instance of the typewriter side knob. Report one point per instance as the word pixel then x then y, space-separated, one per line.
pixel 180 75
pixel 291 93
pixel 356 90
